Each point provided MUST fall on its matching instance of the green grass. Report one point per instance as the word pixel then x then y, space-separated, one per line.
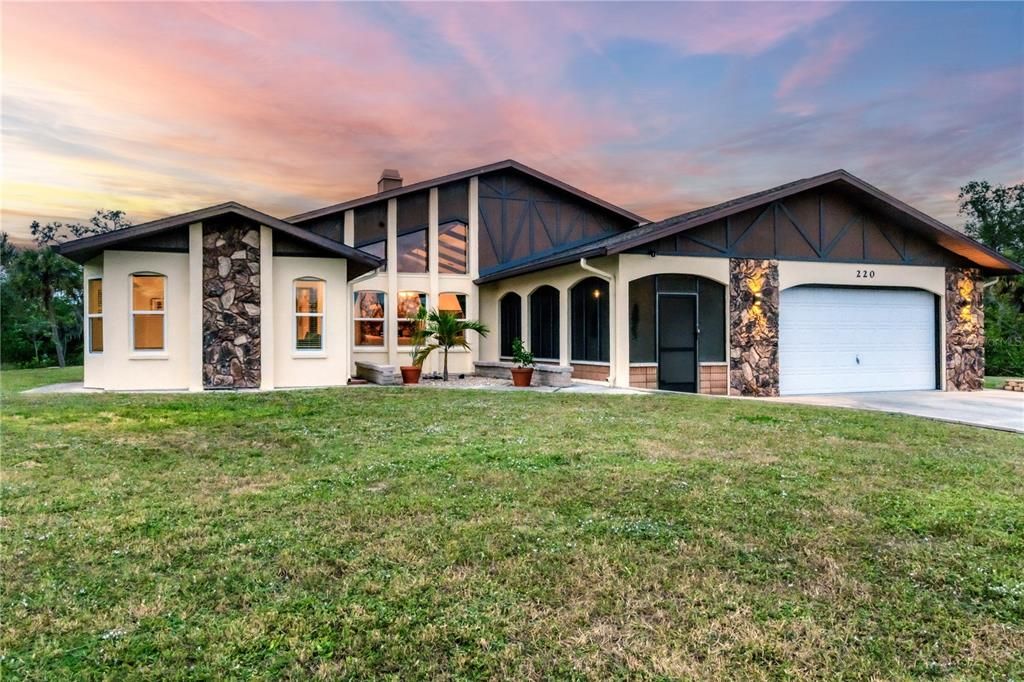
pixel 424 533
pixel 996 382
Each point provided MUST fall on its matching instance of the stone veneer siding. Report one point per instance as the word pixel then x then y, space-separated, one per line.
pixel 231 306
pixel 965 330
pixel 754 326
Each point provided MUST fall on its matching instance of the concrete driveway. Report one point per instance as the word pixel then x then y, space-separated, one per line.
pixel 992 409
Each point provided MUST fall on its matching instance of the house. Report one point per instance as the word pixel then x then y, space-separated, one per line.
pixel 826 284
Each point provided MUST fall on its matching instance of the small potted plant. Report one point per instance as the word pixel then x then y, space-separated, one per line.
pixel 411 373
pixel 522 373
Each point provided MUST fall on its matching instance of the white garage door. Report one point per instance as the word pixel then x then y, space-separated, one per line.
pixel 844 340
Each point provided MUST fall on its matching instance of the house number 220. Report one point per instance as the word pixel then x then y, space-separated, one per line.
pixel 865 274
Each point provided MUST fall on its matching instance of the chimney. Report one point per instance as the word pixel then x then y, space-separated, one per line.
pixel 389 179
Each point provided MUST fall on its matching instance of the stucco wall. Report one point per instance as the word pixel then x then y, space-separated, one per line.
pixel 121 367
pixel 563 278
pixel 293 368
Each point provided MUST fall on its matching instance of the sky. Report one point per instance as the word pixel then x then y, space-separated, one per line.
pixel 158 109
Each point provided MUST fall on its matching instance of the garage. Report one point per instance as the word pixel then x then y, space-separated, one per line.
pixel 844 340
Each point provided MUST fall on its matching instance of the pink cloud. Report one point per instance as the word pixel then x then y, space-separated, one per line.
pixel 819 65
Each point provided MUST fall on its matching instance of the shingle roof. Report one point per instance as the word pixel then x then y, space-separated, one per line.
pixel 81 250
pixel 945 236
pixel 462 175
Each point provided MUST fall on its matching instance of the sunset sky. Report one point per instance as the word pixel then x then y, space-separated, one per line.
pixel 162 108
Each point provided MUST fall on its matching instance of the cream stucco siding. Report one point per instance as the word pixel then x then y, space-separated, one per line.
pixel 121 367
pixel 563 278
pixel 294 368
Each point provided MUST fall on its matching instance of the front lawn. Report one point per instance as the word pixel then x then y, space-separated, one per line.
pixel 426 533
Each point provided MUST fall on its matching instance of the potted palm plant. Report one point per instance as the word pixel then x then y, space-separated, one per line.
pixel 411 373
pixel 442 329
pixel 522 373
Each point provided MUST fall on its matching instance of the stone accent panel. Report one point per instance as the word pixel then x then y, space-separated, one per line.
pixel 590 372
pixel 965 330
pixel 754 326
pixel 714 378
pixel 643 376
pixel 231 305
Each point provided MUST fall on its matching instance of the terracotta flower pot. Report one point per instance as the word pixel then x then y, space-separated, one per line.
pixel 411 375
pixel 522 376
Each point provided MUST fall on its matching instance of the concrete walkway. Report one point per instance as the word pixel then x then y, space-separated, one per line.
pixel 992 409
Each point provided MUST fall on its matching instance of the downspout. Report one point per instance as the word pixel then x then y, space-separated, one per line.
pixel 611 292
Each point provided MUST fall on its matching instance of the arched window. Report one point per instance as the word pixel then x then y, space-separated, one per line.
pixel 589 320
pixel 544 329
pixel 511 322
pixel 368 311
pixel 148 319
pixel 309 313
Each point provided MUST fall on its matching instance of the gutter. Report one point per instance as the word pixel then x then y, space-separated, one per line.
pixel 611 292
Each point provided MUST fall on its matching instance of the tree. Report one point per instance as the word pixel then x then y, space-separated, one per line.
pixel 51 279
pixel 440 329
pixel 995 217
pixel 56 232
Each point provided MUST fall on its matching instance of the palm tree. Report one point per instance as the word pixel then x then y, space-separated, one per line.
pixel 44 276
pixel 441 329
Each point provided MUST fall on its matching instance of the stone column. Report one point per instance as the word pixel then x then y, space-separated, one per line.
pixel 754 327
pixel 965 330
pixel 231 305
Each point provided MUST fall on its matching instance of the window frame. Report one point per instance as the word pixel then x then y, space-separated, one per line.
pixel 424 303
pixel 503 332
pixel 383 319
pixel 132 312
pixel 581 299
pixel 443 228
pixel 322 350
pixel 89 316
pixel 556 324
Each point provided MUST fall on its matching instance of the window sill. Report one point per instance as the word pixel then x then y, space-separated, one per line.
pixel 158 355
pixel 312 355
pixel 369 349
pixel 593 363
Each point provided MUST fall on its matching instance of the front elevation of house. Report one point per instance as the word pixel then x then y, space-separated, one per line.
pixel 822 285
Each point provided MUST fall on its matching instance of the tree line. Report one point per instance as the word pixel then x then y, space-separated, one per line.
pixel 41 292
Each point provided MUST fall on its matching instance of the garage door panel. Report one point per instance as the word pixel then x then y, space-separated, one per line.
pixel 834 340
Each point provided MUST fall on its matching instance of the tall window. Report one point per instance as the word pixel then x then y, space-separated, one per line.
pixel 411 219
pixel 589 316
pixel 409 304
pixel 451 247
pixel 369 318
pixel 95 315
pixel 544 323
pixel 309 314
pixel 412 251
pixel 511 322
pixel 148 311
pixel 371 231
pixel 454 304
